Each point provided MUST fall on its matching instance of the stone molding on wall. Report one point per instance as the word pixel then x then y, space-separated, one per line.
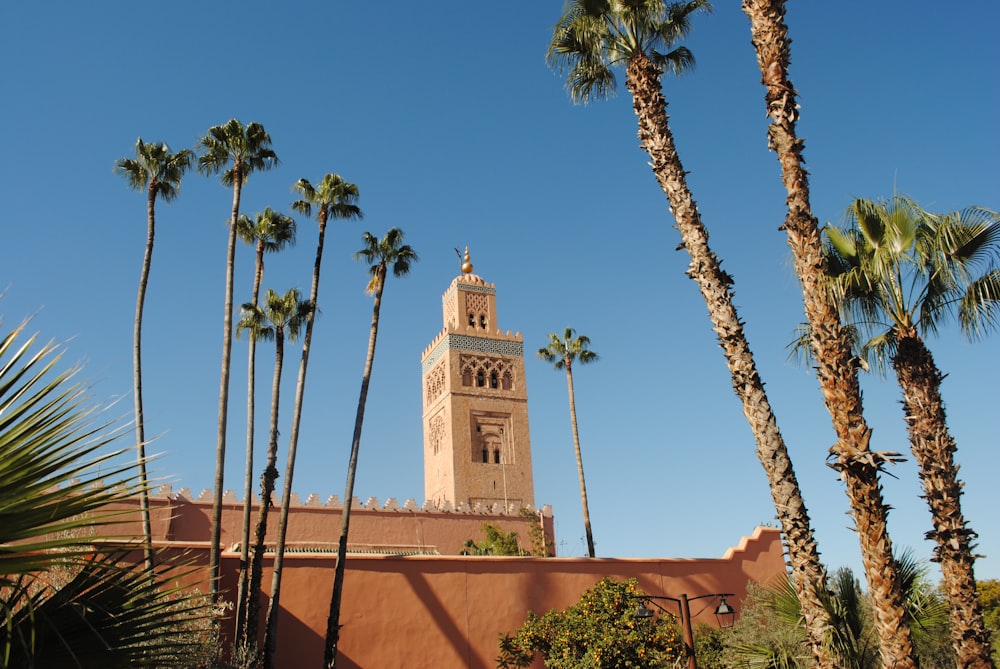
pixel 371 504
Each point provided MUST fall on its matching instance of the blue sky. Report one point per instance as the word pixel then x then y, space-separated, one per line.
pixel 447 118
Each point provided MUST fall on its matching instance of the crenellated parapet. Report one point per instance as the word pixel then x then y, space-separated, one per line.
pixel 371 504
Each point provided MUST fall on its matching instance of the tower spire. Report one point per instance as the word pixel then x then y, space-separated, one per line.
pixel 466 263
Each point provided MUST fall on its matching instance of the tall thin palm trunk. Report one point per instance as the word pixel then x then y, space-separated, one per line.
pixel 934 449
pixel 579 460
pixel 140 428
pixel 267 480
pixel 333 621
pixel 715 285
pixel 227 348
pixel 836 368
pixel 241 587
pixel 271 626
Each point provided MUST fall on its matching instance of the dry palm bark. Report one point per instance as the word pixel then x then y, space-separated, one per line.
pixel 934 450
pixel 809 577
pixel 836 368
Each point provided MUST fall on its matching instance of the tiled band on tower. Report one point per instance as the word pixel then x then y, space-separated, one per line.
pixel 477 448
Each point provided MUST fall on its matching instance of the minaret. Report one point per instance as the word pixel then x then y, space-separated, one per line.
pixel 477 448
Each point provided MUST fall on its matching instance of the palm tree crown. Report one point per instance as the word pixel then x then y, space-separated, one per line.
pixel 281 315
pixel 901 271
pixel 333 198
pixel 563 352
pixel 594 37
pixel 244 149
pixel 270 231
pixel 155 168
pixel 381 253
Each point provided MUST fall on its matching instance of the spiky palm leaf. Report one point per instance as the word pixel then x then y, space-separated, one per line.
pixel 62 602
pixel 50 453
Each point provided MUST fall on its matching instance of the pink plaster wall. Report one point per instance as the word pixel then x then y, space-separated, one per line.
pixel 443 611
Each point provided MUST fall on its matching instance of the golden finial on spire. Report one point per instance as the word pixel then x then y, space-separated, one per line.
pixel 467 264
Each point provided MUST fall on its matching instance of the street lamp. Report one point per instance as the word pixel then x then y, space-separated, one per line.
pixel 724 614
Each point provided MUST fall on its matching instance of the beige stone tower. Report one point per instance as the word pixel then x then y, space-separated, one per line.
pixel 477 449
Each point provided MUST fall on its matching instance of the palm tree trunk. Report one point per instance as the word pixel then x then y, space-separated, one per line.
pixel 271 627
pixel 333 622
pixel 241 588
pixel 934 449
pixel 227 348
pixel 809 575
pixel 579 459
pixel 140 428
pixel 267 480
pixel 859 467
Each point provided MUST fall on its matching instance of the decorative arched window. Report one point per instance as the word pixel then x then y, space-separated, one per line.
pixel 480 378
pixel 472 320
pixel 496 455
pixel 482 321
pixel 486 455
pixel 494 380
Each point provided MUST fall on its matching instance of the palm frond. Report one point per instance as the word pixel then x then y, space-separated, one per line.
pixel 50 453
pixel 62 603
pixel 979 308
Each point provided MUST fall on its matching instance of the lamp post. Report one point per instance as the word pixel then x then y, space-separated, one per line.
pixel 724 613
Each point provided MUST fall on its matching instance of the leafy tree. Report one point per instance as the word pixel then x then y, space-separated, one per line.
pixel 541 546
pixel 497 542
pixel 270 232
pixel 562 353
pixel 989 599
pixel 281 317
pixel 64 602
pixel 380 254
pixel 898 273
pixel 851 455
pixel 333 198
pixel 599 631
pixel 710 646
pixel 592 39
pixel 158 171
pixel 236 151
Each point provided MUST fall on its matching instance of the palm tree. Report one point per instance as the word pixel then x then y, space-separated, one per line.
pixel 281 317
pixel 836 367
pixel 334 198
pixel 590 40
pixel 236 151
pixel 898 272
pixel 562 353
pixel 269 233
pixel 380 254
pixel 158 171
pixel 852 636
pixel 62 601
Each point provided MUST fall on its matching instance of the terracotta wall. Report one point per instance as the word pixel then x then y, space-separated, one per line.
pixel 175 518
pixel 447 611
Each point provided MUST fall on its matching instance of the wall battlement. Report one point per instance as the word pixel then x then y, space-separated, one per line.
pixel 166 492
